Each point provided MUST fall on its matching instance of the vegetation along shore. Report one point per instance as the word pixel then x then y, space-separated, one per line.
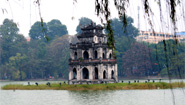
pixel 108 86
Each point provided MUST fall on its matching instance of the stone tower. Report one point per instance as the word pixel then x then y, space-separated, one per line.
pixel 91 60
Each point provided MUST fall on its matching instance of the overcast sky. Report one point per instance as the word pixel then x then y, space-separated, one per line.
pixel 25 13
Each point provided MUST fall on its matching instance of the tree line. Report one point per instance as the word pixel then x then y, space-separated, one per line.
pixel 42 59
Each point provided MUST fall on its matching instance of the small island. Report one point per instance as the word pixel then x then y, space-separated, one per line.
pixel 108 86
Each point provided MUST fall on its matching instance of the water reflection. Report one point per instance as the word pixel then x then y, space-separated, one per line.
pixel 92 97
pixel 128 97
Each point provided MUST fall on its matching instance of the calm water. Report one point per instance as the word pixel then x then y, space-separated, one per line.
pixel 116 97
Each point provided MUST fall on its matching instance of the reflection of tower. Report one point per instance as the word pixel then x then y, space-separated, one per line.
pixel 138 18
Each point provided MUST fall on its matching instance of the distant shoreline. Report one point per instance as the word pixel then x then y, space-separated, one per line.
pixel 37 80
pixel 109 86
pixel 122 78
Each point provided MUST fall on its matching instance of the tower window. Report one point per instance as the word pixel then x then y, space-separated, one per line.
pixel 103 56
pixel 110 56
pixel 104 75
pixel 105 39
pixel 85 73
pixel 96 73
pixel 112 74
pixel 85 55
pixel 75 55
pixel 95 54
pixel 74 73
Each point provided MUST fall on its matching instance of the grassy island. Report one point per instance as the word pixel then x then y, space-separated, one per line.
pixel 109 86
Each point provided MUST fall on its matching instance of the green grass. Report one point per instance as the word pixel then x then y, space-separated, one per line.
pixel 109 86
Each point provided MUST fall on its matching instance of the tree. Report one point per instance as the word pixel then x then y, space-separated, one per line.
pixel 38 31
pixel 137 60
pixel 5 71
pixel 11 41
pixel 0 51
pixel 37 54
pixel 176 68
pixel 17 63
pixel 168 56
pixel 59 53
pixel 56 28
pixel 9 30
pixel 83 22
pixel 120 30
pixel 122 44
pixel 14 68
pixel 161 56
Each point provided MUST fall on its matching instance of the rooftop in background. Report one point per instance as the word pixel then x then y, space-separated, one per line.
pixel 150 37
pixel 180 33
pixel 28 39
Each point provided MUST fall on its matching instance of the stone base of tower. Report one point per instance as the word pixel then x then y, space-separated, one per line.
pixel 93 73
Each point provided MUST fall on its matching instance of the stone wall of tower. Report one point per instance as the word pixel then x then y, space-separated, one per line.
pixel 91 51
pixel 101 67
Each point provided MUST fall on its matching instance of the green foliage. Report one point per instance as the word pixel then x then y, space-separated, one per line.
pixel 11 42
pixel 111 40
pixel 137 61
pixel 48 31
pixel 176 68
pixel 23 75
pixel 36 59
pixel 38 30
pixel 17 62
pixel 109 86
pixel 58 52
pixel 123 37
pixel 42 50
pixel 169 58
pixel 121 30
pixel 16 75
pixel 56 28
pixel 14 68
pixel 81 59
pixel 8 30
pixel 122 44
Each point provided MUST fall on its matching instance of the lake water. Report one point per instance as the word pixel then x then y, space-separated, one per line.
pixel 110 97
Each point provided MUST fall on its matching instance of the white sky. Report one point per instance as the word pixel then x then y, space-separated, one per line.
pixel 25 13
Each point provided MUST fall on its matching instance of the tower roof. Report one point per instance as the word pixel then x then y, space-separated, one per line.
pixel 92 26
pixel 91 30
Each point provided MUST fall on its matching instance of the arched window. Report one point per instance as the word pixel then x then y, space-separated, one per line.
pixel 85 73
pixel 103 56
pixel 104 75
pixel 110 56
pixel 74 73
pixel 75 56
pixel 86 55
pixel 112 74
pixel 95 54
pixel 95 39
pixel 105 40
pixel 96 73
